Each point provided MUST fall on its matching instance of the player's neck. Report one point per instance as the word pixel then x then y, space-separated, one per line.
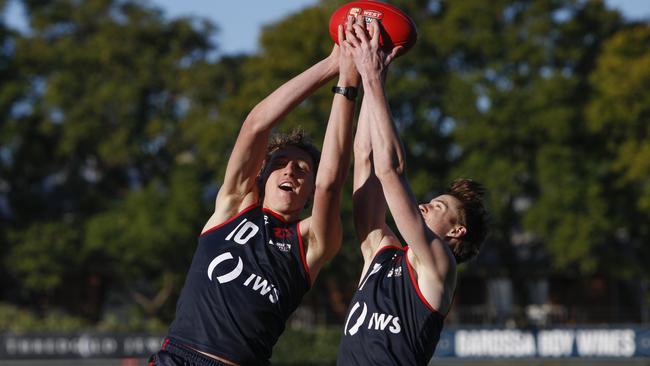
pixel 283 214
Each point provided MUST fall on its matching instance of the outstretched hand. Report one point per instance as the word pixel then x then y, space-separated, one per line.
pixel 347 68
pixel 369 58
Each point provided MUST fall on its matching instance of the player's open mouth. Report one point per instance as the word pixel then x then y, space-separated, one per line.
pixel 286 186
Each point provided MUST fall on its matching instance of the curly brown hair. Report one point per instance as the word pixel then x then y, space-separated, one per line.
pixel 472 215
pixel 298 138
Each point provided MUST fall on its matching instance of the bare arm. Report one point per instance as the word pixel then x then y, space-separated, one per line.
pixel 324 226
pixel 432 254
pixel 368 202
pixel 433 260
pixel 239 187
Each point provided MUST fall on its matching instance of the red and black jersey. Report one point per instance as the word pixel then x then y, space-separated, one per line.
pixel 389 322
pixel 247 277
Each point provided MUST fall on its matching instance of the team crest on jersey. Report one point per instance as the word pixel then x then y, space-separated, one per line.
pixel 282 233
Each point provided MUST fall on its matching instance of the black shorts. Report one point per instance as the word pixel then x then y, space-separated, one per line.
pixel 174 354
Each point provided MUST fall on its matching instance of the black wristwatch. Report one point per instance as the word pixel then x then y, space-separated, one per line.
pixel 349 92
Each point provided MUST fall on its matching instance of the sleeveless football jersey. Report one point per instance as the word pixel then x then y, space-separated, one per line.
pixel 246 278
pixel 388 321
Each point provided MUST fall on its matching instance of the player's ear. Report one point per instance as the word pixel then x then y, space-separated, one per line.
pixel 457 232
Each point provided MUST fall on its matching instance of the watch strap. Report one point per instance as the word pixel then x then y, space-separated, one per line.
pixel 350 92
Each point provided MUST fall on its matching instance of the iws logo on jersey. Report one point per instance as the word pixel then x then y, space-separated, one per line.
pixel 229 276
pixel 376 322
pixel 229 268
pixel 255 282
pixel 359 322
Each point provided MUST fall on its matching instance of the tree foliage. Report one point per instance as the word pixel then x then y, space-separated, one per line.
pixel 618 117
pixel 103 188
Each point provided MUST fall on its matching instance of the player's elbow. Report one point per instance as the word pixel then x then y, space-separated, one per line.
pixel 362 149
pixel 330 181
pixel 389 165
pixel 327 188
pixel 389 159
pixel 254 123
pixel 362 160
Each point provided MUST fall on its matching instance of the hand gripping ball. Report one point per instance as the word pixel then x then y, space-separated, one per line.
pixel 398 29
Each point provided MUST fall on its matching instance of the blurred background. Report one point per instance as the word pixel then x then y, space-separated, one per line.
pixel 117 119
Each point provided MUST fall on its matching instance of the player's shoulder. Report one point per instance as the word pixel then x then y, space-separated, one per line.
pixel 436 281
pixel 227 208
pixel 305 229
pixel 382 238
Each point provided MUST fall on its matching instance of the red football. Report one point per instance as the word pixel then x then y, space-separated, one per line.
pixel 398 29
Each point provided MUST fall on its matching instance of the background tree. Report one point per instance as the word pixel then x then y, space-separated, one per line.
pixel 516 94
pixel 103 184
pixel 12 86
pixel 618 120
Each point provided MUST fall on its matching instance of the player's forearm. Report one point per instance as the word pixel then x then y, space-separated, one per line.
pixel 337 145
pixel 248 153
pixel 387 150
pixel 269 111
pixel 335 160
pixel 363 166
pixel 362 143
pixel 368 202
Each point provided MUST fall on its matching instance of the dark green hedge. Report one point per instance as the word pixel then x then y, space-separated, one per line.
pixel 316 346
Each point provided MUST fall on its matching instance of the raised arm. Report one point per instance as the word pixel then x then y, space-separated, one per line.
pixel 323 229
pixel 433 259
pixel 368 202
pixel 239 186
